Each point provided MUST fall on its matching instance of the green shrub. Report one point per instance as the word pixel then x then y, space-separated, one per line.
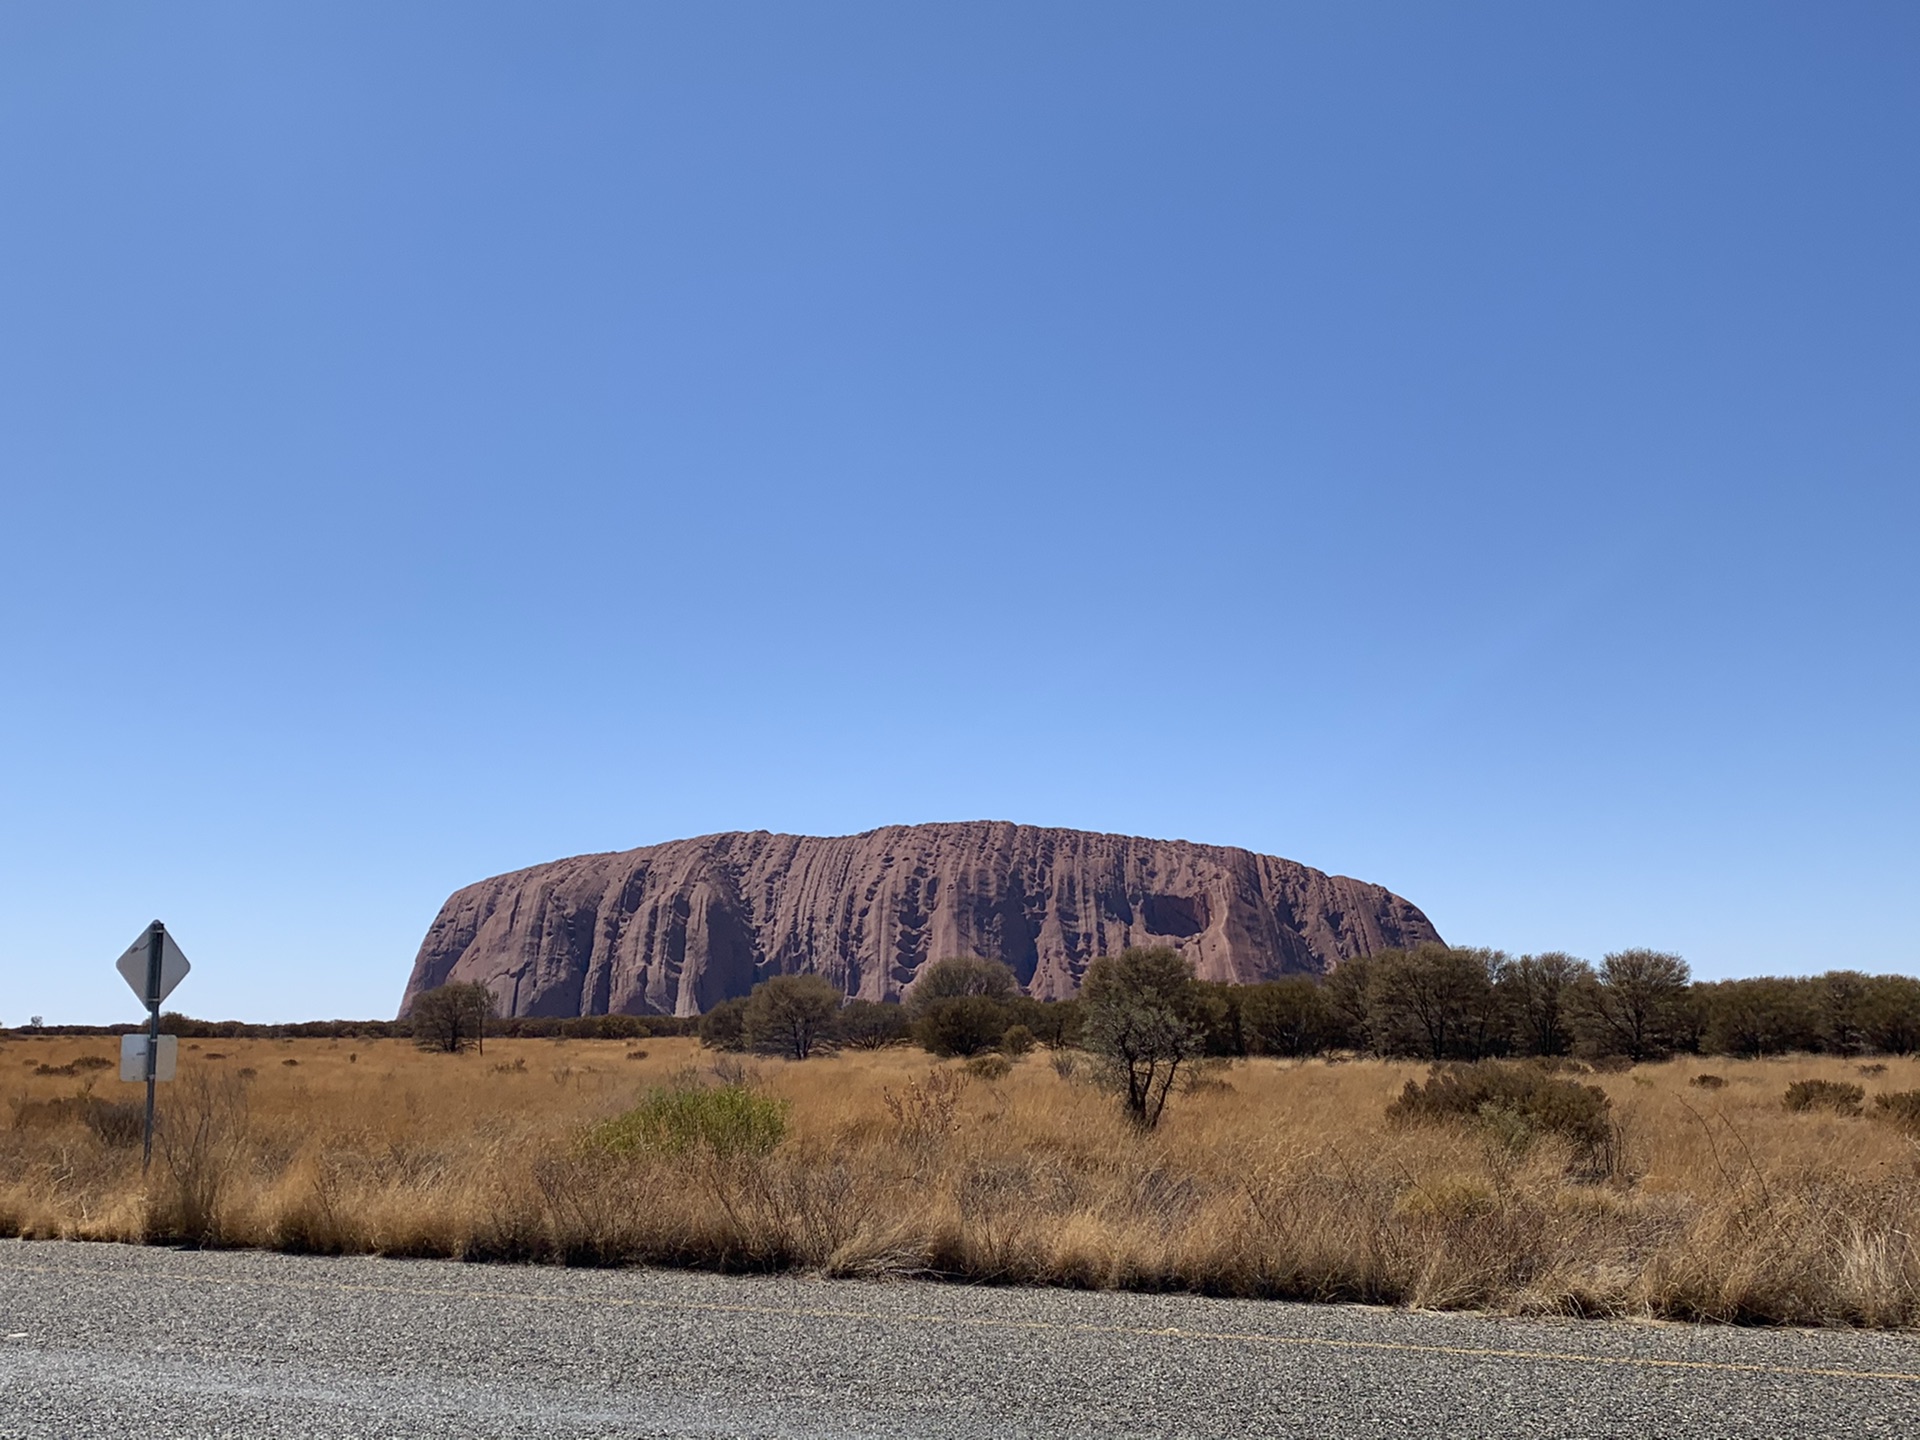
pixel 1899 1107
pixel 727 1120
pixel 1516 1101
pixel 1834 1095
pixel 868 1025
pixel 960 1025
pixel 1016 1042
pixel 724 1027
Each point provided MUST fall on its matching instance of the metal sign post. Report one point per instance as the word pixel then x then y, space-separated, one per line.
pixel 152 966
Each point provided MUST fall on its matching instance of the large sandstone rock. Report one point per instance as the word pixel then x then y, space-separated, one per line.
pixel 677 928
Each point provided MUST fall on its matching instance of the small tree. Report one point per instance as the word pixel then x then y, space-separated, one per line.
pixel 1890 1014
pixel 1538 991
pixel 1055 1023
pixel 1288 1016
pixel 1348 1019
pixel 869 1026
pixel 1436 1002
pixel 791 1013
pixel 1636 1007
pixel 451 1017
pixel 1142 1020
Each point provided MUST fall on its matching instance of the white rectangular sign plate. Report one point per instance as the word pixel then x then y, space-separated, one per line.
pixel 133 1057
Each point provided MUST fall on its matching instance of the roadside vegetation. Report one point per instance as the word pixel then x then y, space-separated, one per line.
pixel 1513 1185
pixel 1440 1127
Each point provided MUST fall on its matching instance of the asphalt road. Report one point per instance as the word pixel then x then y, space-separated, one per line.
pixel 107 1340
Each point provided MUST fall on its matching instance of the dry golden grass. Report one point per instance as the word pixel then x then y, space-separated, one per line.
pixel 1277 1179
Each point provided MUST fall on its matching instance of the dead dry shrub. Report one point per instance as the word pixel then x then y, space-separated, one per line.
pixel 201 1137
pixel 990 1067
pixel 924 1110
pixel 1900 1108
pixel 1708 1082
pixel 1835 1095
pixel 116 1123
pixel 735 1070
pixel 1202 1077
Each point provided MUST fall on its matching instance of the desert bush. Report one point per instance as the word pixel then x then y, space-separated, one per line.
pixel 726 1121
pixel 1065 1063
pixel 1875 1067
pixel 960 1025
pixel 724 1027
pixel 636 1054
pixel 1709 1082
pixel 1503 1094
pixel 865 1025
pixel 1017 1041
pixel 1899 1107
pixel 1835 1095
pixel 961 977
pixel 990 1067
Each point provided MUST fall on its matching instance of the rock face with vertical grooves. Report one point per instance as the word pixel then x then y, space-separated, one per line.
pixel 677 928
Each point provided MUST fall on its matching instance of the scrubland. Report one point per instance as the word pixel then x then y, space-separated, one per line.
pixel 1267 1177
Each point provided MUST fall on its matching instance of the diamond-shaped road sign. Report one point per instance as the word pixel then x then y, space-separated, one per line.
pixel 133 965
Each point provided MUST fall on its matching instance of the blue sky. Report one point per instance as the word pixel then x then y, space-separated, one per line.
pixel 1472 447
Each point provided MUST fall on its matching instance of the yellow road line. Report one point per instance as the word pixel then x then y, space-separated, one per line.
pixel 983 1322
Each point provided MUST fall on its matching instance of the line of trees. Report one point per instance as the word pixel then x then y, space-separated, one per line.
pixel 1434 1002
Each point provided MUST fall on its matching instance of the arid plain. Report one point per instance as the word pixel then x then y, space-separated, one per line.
pixel 1267 1178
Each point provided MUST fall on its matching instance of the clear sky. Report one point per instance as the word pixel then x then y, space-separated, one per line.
pixel 1471 447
